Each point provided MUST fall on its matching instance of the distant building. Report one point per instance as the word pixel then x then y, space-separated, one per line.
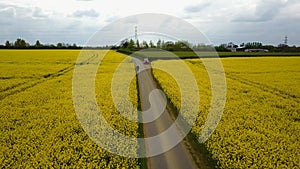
pixel 256 50
pixel 169 43
pixel 232 47
pixel 242 48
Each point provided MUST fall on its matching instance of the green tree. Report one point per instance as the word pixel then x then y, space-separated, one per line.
pixel 8 44
pixel 151 44
pixel 138 44
pixel 38 44
pixel 163 45
pixel 131 44
pixel 182 45
pixel 145 44
pixel 222 48
pixel 158 43
pixel 124 43
pixel 21 43
pixel 253 45
pixel 59 45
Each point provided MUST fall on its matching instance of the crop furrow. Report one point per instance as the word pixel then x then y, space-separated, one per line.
pixel 21 87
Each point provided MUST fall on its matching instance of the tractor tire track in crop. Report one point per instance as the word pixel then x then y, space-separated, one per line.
pixel 21 87
pixel 263 87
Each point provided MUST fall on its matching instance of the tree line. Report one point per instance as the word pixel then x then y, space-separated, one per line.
pixel 132 45
pixel 22 44
pixel 129 46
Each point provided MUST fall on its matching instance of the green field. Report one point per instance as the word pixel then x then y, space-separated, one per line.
pixel 39 127
pixel 156 54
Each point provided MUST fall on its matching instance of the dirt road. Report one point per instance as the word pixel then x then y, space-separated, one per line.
pixel 179 156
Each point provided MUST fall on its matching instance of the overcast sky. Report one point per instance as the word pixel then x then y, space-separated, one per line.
pixel 74 21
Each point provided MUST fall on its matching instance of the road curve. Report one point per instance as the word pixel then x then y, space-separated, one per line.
pixel 179 156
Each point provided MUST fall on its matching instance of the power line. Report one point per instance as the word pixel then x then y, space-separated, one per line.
pixel 285 40
pixel 136 33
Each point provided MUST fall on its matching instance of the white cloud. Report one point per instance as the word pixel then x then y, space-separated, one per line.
pixel 222 21
pixel 33 23
pixel 264 11
pixel 39 13
pixel 85 13
pixel 8 12
pixel 197 8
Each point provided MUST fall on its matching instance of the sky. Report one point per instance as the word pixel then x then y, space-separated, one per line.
pixel 75 21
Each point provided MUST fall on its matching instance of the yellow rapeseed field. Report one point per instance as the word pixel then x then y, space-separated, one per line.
pixel 39 127
pixel 261 121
